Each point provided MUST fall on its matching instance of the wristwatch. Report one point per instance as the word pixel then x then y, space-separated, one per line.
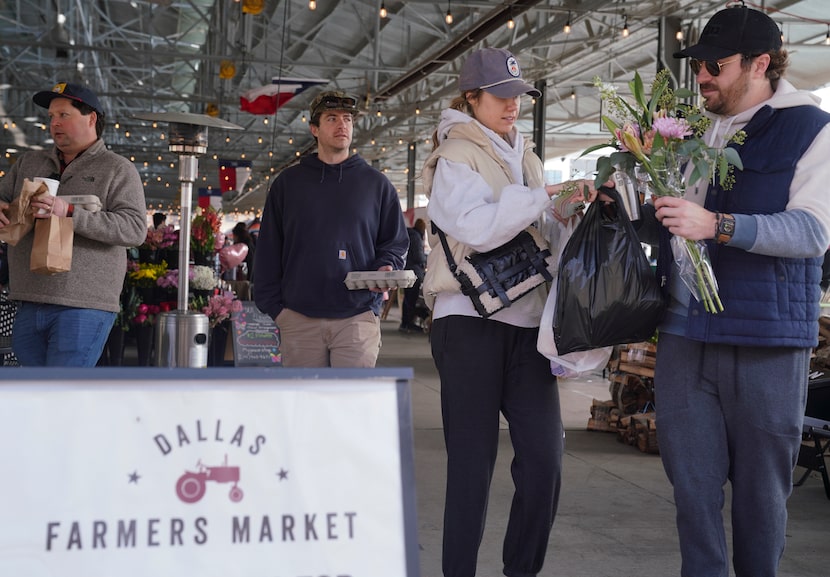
pixel 726 228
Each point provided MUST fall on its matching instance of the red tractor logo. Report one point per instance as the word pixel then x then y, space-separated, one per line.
pixel 191 486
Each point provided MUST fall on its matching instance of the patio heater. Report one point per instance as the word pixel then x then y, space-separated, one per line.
pixel 182 335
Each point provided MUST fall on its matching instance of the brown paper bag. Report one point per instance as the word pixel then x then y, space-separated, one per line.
pixel 52 245
pixel 20 215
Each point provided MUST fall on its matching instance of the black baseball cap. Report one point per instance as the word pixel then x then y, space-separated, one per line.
pixel 736 30
pixel 496 71
pixel 71 91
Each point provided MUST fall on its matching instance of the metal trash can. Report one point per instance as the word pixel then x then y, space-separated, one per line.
pixel 182 339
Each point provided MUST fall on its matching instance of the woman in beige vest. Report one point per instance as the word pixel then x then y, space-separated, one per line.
pixel 486 185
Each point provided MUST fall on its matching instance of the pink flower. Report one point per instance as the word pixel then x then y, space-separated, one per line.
pixel 672 128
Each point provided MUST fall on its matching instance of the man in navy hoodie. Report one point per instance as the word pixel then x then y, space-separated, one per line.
pixel 327 216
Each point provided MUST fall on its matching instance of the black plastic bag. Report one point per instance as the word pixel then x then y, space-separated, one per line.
pixel 607 292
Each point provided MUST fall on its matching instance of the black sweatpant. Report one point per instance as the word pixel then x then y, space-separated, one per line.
pixel 487 367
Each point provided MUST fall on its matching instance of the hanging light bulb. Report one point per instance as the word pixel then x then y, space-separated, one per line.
pixel 567 28
pixel 312 5
pixel 510 23
pixel 625 27
pixel 573 94
pixel 827 38
pixel 782 33
pixel 417 110
pixel 448 17
pixel 383 12
pixel 679 35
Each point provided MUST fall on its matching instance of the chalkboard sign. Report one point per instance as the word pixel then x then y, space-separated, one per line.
pixel 256 338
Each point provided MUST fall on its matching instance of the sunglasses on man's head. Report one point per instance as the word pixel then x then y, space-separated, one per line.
pixel 335 103
pixel 713 67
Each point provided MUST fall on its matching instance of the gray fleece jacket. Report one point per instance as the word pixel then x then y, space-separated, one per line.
pixel 99 255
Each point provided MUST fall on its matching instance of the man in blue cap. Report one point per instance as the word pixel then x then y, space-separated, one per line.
pixel 731 387
pixel 64 319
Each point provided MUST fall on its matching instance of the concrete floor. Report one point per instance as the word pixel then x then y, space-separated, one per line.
pixel 616 513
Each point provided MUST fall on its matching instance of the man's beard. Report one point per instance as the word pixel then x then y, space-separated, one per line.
pixel 729 97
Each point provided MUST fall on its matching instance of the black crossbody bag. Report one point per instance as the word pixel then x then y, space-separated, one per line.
pixel 497 278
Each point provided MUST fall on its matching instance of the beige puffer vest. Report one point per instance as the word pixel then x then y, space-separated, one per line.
pixel 467 143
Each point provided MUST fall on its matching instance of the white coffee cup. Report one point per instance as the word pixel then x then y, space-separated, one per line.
pixel 52 185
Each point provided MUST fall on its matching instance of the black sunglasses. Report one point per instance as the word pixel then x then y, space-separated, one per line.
pixel 713 67
pixel 335 103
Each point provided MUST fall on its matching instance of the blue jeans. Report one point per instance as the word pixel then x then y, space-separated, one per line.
pixel 47 335
pixel 730 414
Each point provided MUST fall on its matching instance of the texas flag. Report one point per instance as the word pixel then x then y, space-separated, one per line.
pixel 233 174
pixel 267 99
pixel 210 197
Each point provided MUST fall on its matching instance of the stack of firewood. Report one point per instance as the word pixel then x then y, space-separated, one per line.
pixel 820 360
pixel 630 412
pixel 639 430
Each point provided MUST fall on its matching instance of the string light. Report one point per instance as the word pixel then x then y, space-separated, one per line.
pixel 448 17
pixel 567 28
pixel 312 5
pixel 625 27
pixel 383 12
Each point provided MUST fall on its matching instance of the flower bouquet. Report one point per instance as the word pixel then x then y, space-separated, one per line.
pixel 163 237
pixel 200 277
pixel 205 233
pixel 657 140
pixel 218 308
pixel 145 274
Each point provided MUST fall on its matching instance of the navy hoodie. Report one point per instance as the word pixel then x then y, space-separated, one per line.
pixel 319 223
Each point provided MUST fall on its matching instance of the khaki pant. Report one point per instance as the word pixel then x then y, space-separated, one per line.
pixel 313 342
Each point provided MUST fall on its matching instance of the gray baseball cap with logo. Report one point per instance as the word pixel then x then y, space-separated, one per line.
pixel 496 71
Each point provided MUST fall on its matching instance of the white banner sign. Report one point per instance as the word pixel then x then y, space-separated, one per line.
pixel 290 478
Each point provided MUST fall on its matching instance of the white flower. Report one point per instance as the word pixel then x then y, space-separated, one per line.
pixel 202 277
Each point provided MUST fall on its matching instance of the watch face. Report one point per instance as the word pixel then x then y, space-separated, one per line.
pixel 727 226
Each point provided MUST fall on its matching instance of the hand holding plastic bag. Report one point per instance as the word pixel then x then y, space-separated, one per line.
pixel 572 364
pixel 607 292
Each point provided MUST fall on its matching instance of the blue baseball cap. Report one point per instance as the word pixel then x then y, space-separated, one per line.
pixel 71 91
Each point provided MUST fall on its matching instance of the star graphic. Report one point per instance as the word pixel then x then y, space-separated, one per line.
pixel 283 474
pixel 134 477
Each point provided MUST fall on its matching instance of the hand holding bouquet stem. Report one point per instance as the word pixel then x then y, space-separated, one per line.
pixel 662 137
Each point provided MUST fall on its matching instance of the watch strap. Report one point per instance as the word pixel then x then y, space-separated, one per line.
pixel 726 228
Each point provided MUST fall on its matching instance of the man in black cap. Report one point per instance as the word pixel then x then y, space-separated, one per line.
pixel 731 387
pixel 65 319
pixel 329 215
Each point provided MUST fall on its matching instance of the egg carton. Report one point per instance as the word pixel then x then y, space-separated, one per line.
pixel 88 202
pixel 382 279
